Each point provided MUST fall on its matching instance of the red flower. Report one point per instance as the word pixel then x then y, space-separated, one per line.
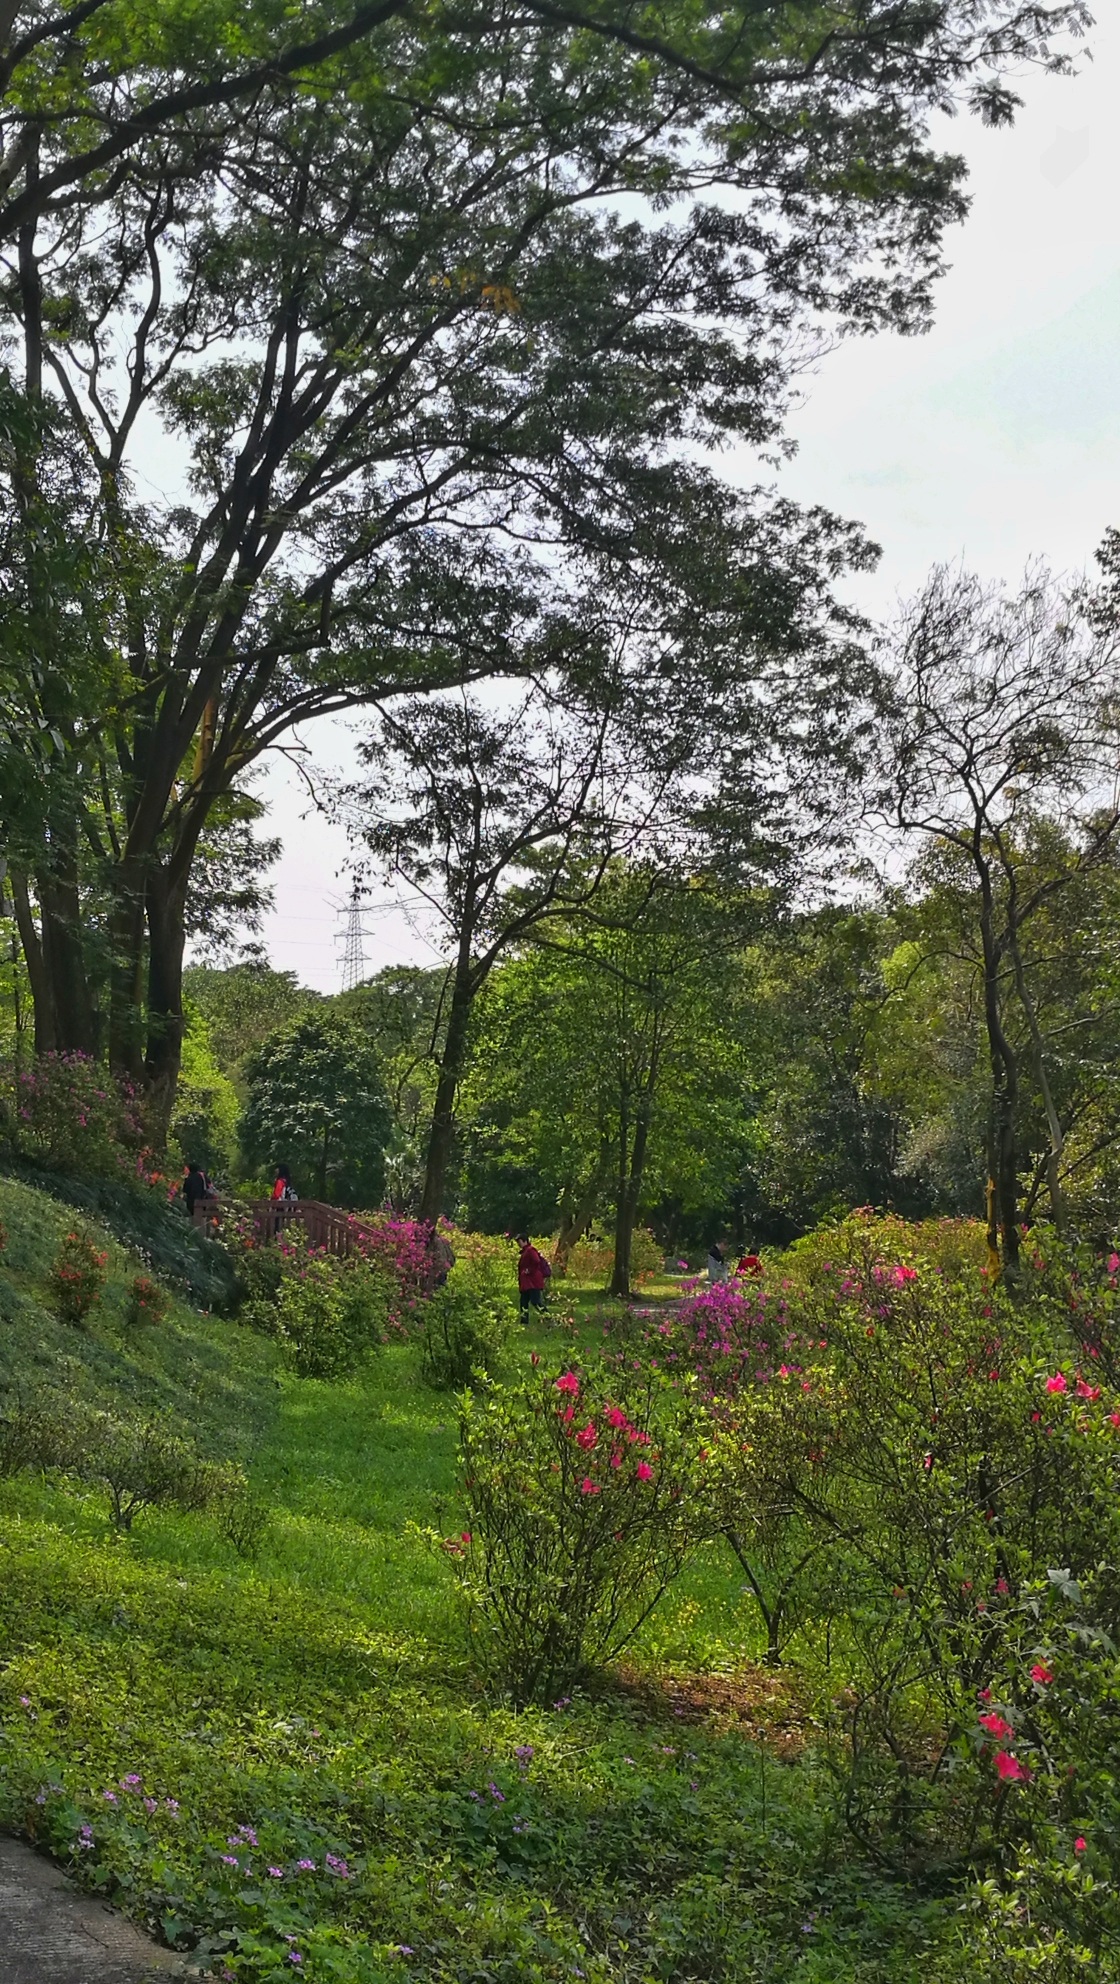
pixel 1087 1391
pixel 616 1417
pixel 995 1725
pixel 586 1436
pixel 1009 1767
pixel 1041 1674
pixel 643 1470
pixel 1057 1383
pixel 587 1486
pixel 1079 1844
pixel 568 1383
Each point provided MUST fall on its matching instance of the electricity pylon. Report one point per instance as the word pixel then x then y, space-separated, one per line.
pixel 354 957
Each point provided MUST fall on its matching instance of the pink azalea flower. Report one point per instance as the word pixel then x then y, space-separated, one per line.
pixel 643 1470
pixel 1041 1674
pixel 995 1725
pixel 1113 1263
pixel 587 1486
pixel 616 1416
pixel 1087 1391
pixel 1009 1767
pixel 1079 1843
pixel 1057 1383
pixel 586 1436
pixel 567 1383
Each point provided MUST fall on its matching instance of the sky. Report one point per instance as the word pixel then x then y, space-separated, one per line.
pixel 993 439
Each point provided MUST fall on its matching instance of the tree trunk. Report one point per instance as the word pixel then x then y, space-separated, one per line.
pixel 46 1035
pixel 1053 1121
pixel 60 914
pixel 1005 1088
pixel 442 1133
pixel 630 1194
pixel 126 975
pixel 575 1219
pixel 166 943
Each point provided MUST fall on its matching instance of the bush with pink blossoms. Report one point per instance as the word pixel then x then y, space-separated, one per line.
pixel 582 1498
pixel 404 1251
pixel 67 1113
pixel 896 1492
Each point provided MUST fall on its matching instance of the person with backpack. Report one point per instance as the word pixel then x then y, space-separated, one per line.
pixel 532 1273
pixel 283 1187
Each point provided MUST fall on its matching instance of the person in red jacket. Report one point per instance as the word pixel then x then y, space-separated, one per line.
pixel 532 1273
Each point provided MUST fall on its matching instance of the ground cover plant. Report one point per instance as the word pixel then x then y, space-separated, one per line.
pixel 297 1754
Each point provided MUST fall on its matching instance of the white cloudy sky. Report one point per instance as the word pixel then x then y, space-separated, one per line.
pixel 993 439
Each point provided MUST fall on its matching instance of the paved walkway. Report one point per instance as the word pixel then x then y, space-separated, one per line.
pixel 52 1933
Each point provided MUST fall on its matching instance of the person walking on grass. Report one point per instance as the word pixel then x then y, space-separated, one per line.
pixel 532 1273
pixel 717 1266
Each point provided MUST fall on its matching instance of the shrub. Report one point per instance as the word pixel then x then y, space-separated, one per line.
pixel 330 1312
pixel 146 1301
pixel 591 1262
pixel 69 1114
pixel 402 1249
pixel 582 1506
pixel 467 1322
pixel 77 1277
pixel 142 1463
pixel 924 1466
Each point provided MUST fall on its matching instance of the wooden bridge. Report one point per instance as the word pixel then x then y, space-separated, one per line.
pixel 321 1226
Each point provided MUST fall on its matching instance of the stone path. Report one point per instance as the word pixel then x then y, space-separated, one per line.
pixel 52 1933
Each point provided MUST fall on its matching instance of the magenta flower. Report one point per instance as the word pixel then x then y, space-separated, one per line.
pixel 1043 1675
pixel 995 1725
pixel 568 1382
pixel 586 1436
pixel 643 1470
pixel 1009 1767
pixel 587 1486
pixel 1057 1383
pixel 1079 1843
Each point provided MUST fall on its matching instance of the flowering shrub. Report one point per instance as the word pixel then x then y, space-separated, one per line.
pixel 922 1469
pixel 146 1301
pixel 69 1114
pixel 468 1321
pixel 77 1277
pixel 582 1504
pixel 402 1249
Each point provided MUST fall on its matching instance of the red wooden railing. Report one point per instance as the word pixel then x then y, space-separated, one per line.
pixel 323 1226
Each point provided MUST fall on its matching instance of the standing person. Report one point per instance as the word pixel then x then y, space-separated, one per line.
pixel 717 1266
pixel 283 1187
pixel 196 1186
pixel 532 1273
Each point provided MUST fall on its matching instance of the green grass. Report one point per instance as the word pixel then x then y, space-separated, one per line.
pixel 320 1697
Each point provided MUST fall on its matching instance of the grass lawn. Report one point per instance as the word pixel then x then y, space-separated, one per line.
pixel 286 1764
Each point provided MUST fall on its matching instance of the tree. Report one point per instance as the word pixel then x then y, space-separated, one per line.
pixel 401 1012
pixel 316 1101
pixel 392 315
pixel 498 822
pixel 243 1005
pixel 1002 749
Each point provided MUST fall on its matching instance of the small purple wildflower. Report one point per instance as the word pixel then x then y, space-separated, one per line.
pixel 277 1873
pixel 306 1866
pixel 110 1797
pixel 150 1804
pixel 229 1859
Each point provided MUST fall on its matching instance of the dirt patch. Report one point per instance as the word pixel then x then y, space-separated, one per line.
pixel 763 1704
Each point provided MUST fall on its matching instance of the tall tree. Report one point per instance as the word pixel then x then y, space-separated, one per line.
pixel 1003 744
pixel 499 821
pixel 390 311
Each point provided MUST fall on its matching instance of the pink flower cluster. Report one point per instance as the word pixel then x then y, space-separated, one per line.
pixel 616 1431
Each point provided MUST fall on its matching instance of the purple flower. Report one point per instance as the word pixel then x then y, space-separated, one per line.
pixel 495 1793
pixel 172 1804
pixel 25 1701
pixel 277 1873
pixel 110 1797
pixel 229 1859
pixel 130 1782
pixel 306 1866
pixel 336 1866
pixel 403 1949
pixel 294 1956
